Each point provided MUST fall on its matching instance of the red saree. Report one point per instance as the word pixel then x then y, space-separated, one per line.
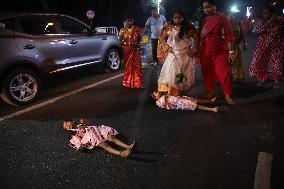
pixel 216 32
pixel 132 59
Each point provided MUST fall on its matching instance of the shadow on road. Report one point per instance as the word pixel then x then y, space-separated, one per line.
pixel 248 89
pixel 138 156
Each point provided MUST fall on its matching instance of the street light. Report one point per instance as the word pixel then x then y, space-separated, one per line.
pixel 235 9
pixel 248 12
pixel 158 5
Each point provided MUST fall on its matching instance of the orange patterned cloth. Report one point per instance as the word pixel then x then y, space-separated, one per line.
pixel 163 47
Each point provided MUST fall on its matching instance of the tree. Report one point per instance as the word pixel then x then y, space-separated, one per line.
pixel 44 4
pixel 145 5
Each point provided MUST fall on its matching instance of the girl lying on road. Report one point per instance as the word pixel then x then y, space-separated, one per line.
pixel 89 136
pixel 181 102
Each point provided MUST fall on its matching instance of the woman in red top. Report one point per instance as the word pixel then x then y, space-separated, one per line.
pixel 216 37
pixel 130 37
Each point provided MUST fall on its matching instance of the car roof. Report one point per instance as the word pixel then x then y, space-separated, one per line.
pixel 15 14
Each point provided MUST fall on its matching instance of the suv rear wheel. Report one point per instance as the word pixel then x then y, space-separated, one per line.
pixel 113 60
pixel 20 87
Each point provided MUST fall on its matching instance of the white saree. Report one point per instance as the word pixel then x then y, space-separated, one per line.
pixel 177 62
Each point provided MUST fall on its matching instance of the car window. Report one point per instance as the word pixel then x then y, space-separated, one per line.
pixel 37 25
pixel 71 26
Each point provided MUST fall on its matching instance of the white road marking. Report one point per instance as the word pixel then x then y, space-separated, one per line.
pixel 263 171
pixel 53 100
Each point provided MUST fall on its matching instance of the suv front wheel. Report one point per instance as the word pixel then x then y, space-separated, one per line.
pixel 20 87
pixel 113 60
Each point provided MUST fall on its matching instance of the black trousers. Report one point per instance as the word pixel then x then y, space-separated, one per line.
pixel 154 43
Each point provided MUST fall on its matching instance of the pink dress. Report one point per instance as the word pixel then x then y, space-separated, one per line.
pixel 91 136
pixel 177 102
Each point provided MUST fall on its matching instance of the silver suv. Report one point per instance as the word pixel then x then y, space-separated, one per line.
pixel 34 45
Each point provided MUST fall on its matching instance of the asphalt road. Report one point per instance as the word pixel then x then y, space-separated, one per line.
pixel 175 149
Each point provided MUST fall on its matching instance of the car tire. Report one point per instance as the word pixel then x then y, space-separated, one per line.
pixel 113 60
pixel 20 87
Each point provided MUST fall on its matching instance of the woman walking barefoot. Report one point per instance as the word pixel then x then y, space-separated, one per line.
pixel 269 51
pixel 216 50
pixel 177 74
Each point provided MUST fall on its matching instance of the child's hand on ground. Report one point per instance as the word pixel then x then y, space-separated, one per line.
pixel 84 122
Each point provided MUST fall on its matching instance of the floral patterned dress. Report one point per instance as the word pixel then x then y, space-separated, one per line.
pixel 268 54
pixel 91 136
pixel 177 102
pixel 131 39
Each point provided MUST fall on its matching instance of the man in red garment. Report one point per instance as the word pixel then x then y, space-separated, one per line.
pixel 216 36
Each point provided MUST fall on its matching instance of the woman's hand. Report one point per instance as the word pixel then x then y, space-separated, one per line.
pixel 232 57
pixel 193 52
pixel 170 49
pixel 245 46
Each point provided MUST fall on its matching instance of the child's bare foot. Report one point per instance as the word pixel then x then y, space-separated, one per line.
pixel 229 100
pixel 212 100
pixel 131 146
pixel 211 96
pixel 276 85
pixel 216 109
pixel 260 84
pixel 125 153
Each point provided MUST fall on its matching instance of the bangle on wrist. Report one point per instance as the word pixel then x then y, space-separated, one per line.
pixel 231 52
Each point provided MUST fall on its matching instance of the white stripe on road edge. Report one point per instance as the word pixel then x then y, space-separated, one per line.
pixel 263 171
pixel 53 100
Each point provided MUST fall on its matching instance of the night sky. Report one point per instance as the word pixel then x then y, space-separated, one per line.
pixel 111 12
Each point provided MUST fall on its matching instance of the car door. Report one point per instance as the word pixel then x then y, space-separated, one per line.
pixel 43 42
pixel 83 48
